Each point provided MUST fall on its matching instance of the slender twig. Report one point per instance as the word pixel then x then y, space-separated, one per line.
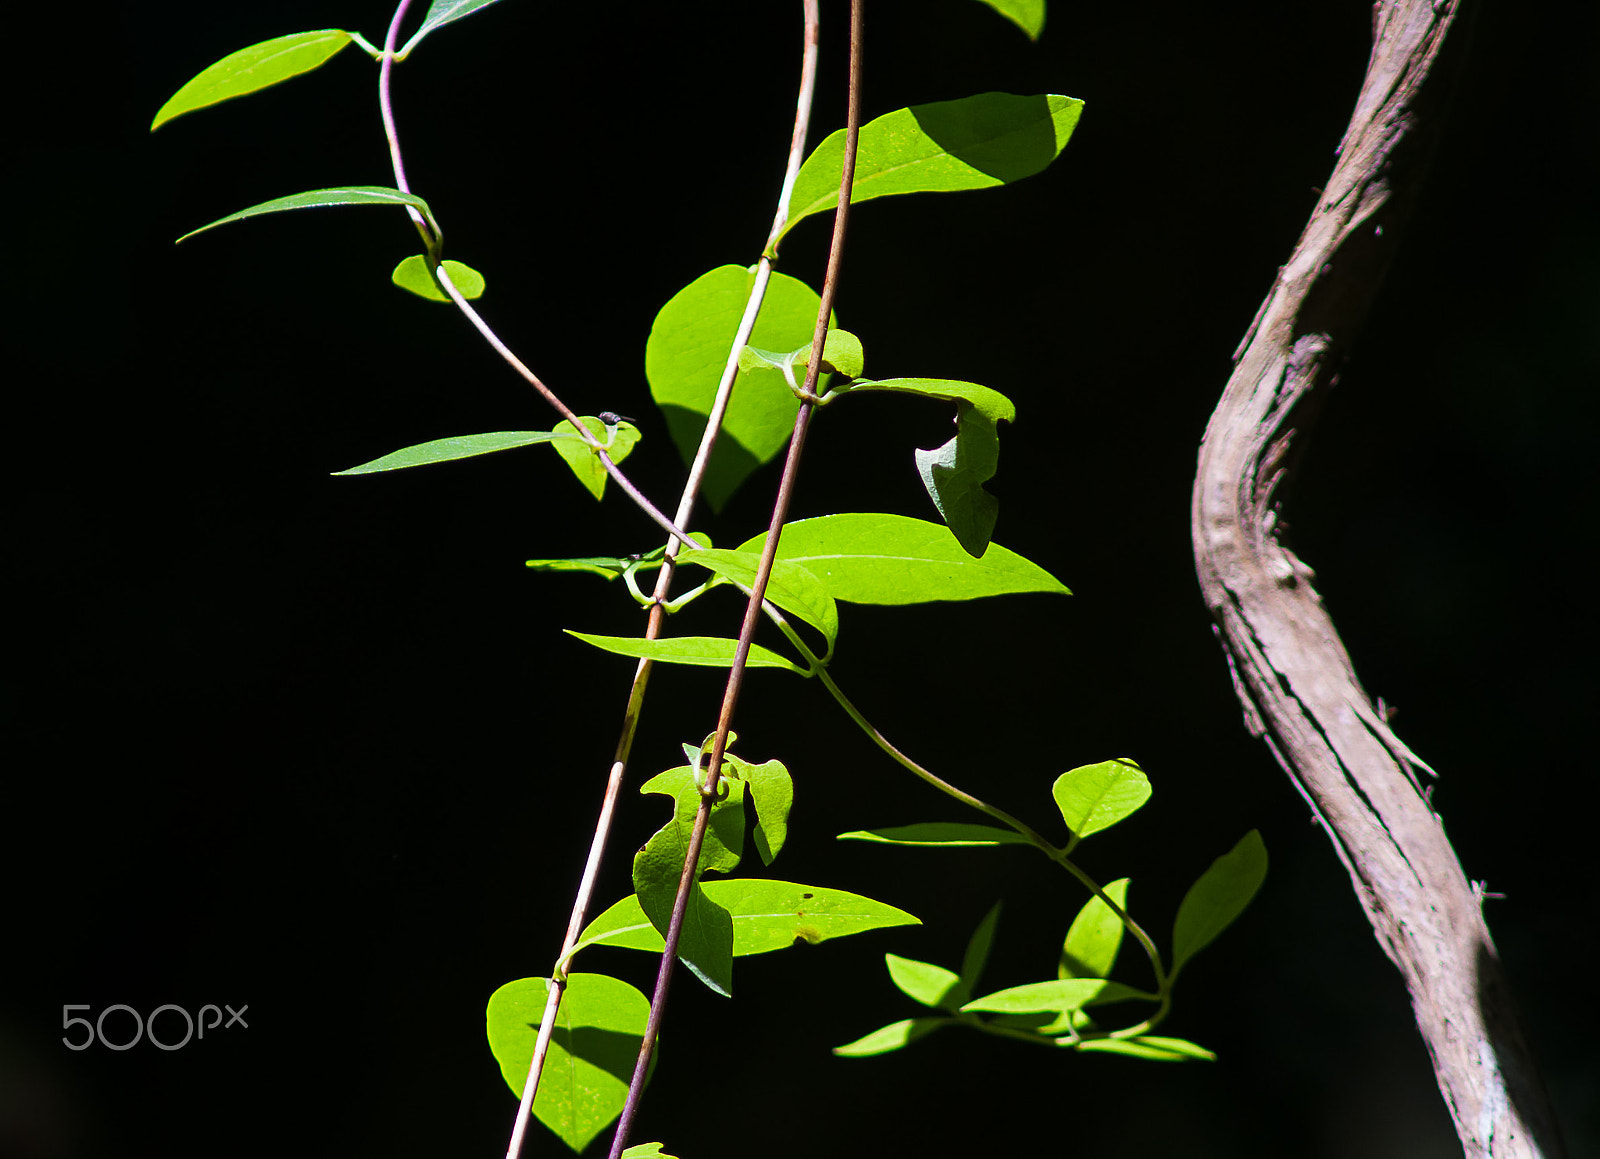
pixel 780 511
pixel 433 242
pixel 691 490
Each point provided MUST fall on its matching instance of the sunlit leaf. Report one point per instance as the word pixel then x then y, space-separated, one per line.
pixel 892 559
pixel 1091 945
pixel 252 69
pixel 767 915
pixel 412 274
pixel 1059 995
pixel 705 943
pixel 891 1037
pixel 646 1151
pixel 1150 1046
pixel 447 450
pixel 345 195
pixel 592 1049
pixel 685 355
pixel 1220 896
pixel 988 402
pixel 1027 15
pixel 923 981
pixel 618 438
pixel 937 833
pixel 606 566
pixel 440 13
pixel 772 793
pixel 1096 797
pixel 706 651
pixel 791 586
pixel 972 143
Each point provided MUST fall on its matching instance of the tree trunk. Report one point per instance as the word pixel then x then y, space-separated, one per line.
pixel 1290 670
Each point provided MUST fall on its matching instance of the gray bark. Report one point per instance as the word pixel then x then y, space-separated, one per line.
pixel 1290 670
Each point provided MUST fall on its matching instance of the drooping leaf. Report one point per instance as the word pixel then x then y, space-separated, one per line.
pixel 938 833
pixel 252 69
pixel 976 957
pixel 972 143
pixel 1092 942
pixel 1220 896
pixel 767 916
pixel 1060 995
pixel 345 195
pixel 684 358
pixel 592 1050
pixel 892 559
pixel 618 437
pixel 705 943
pixel 1150 1046
pixel 891 1037
pixel 412 274
pixel 954 474
pixel 706 651
pixel 1027 15
pixel 923 981
pixel 1096 797
pixel 440 13
pixel 447 450
pixel 772 793
pixel 791 586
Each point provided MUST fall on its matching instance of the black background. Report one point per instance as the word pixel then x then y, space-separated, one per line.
pixel 317 745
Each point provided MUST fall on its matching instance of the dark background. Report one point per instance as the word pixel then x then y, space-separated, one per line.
pixel 317 745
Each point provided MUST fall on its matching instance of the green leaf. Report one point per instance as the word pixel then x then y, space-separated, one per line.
pixel 1220 896
pixel 767 915
pixel 791 586
pixel 936 833
pixel 977 956
pixel 344 195
pixel 446 450
pixel 772 793
pixel 706 651
pixel 973 143
pixel 440 13
pixel 990 403
pixel 594 1045
pixel 705 944
pixel 412 274
pixel 1091 945
pixel 892 559
pixel 605 566
pixel 1096 797
pixel 841 352
pixel 252 69
pixel 619 439
pixel 954 475
pixel 646 1151
pixel 891 1037
pixel 1060 996
pixel 1151 1046
pixel 685 355
pixel 923 981
pixel 1027 15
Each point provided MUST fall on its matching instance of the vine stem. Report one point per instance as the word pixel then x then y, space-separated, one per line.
pixel 753 608
pixel 691 490
pixel 433 242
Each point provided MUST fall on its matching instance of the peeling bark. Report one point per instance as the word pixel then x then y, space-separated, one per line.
pixel 1291 672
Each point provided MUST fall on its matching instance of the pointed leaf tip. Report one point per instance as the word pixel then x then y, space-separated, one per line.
pixel 252 69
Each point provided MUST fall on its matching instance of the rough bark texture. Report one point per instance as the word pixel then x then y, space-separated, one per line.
pixel 1296 682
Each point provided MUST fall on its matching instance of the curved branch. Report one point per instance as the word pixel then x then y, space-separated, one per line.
pixel 1290 670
